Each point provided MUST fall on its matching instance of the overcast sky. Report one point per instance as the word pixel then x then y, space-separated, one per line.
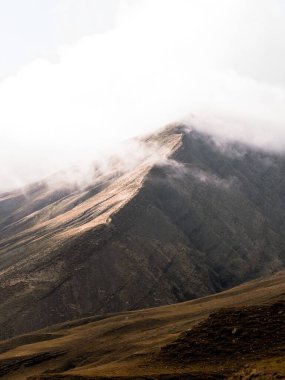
pixel 77 76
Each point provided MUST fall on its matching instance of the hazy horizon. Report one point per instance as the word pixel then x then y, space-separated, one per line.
pixel 77 78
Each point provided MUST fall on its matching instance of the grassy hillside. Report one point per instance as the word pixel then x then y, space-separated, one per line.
pixel 142 344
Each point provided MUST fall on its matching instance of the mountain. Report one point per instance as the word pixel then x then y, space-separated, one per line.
pixel 204 217
pixel 236 334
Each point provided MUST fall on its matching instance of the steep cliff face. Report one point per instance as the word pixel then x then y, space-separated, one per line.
pixel 202 219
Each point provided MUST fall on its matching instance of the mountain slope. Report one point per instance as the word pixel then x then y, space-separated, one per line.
pixel 144 344
pixel 204 218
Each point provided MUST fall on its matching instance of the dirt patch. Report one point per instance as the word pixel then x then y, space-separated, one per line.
pixel 247 333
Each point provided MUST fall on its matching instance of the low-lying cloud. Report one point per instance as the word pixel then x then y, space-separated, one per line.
pixel 217 65
pixel 124 158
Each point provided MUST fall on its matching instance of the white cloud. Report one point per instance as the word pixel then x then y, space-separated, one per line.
pixel 164 60
pixel 74 19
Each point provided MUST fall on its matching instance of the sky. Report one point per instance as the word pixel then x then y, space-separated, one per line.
pixel 78 77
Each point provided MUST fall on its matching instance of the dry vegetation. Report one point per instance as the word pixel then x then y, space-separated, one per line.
pixel 147 343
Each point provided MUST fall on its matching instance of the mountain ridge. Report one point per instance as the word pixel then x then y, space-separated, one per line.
pixel 200 220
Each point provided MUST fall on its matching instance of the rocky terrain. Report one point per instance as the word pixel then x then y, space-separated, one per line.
pixel 207 216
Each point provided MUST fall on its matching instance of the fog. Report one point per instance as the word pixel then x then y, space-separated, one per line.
pixel 217 65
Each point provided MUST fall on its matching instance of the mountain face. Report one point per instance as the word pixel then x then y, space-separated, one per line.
pixel 208 216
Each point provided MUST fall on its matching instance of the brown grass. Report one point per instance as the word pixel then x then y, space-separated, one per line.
pixel 126 344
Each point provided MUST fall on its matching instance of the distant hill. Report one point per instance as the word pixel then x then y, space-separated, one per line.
pixel 206 217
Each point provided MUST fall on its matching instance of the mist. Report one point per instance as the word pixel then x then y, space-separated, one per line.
pixel 216 65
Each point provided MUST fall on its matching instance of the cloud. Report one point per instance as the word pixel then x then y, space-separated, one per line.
pixel 164 61
pixel 123 158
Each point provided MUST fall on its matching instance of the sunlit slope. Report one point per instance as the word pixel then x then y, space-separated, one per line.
pixel 199 218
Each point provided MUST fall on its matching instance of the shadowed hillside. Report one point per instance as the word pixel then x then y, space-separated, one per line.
pixel 204 218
